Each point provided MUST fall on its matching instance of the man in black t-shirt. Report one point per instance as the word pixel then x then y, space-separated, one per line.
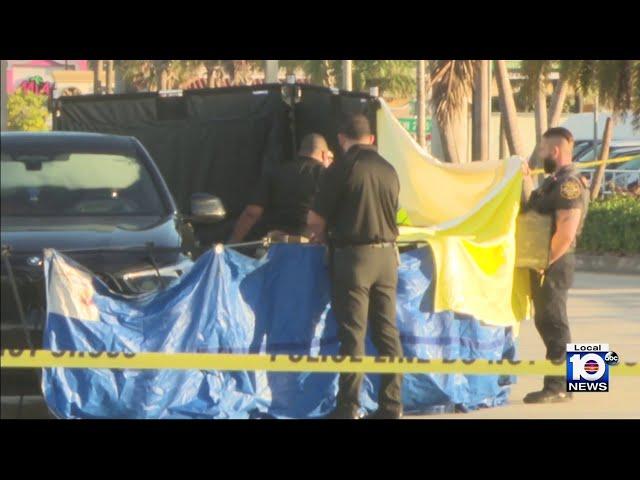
pixel 284 196
pixel 355 211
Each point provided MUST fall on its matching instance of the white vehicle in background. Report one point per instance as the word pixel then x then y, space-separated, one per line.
pixel 628 174
pixel 583 151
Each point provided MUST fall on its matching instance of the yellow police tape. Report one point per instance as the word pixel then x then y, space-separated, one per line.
pixel 591 164
pixel 285 363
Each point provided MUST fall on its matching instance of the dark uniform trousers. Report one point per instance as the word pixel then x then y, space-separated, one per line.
pixel 364 281
pixel 550 303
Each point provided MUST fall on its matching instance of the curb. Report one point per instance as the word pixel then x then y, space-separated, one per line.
pixel 608 263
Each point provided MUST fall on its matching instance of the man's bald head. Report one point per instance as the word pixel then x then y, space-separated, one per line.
pixel 311 143
pixel 315 146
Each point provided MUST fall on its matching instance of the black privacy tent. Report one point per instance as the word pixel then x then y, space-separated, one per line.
pixel 219 141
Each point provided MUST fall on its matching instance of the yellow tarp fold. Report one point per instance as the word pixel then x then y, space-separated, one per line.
pixel 467 213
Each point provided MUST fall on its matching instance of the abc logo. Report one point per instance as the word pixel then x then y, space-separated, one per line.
pixel 590 366
pixel 612 358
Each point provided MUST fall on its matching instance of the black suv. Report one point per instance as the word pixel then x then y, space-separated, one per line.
pixel 101 200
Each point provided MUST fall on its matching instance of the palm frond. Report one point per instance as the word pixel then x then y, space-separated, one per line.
pixel 452 83
pixel 535 72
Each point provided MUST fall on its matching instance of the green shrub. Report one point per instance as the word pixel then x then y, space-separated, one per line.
pixel 612 226
pixel 27 111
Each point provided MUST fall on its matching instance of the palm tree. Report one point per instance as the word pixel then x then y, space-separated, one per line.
pixel 97 70
pixel 394 78
pixel 319 72
pixel 451 84
pixel 149 75
pixel 137 74
pixel 616 83
pixel 481 111
pixel 162 68
pixel 535 86
pixel 508 109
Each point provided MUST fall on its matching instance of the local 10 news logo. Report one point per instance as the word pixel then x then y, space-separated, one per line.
pixel 588 367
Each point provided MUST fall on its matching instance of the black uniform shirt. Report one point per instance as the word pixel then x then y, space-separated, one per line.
pixel 561 191
pixel 286 194
pixel 358 197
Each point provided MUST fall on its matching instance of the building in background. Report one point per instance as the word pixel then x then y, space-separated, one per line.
pixel 43 74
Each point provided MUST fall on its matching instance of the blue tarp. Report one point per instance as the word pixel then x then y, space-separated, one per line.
pixel 230 303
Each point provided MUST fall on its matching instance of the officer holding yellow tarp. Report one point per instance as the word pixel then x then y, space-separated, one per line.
pixel 565 197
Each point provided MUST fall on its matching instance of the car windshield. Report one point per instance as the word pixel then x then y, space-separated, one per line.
pixel 76 184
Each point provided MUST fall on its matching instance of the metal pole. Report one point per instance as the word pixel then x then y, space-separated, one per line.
pixel 271 71
pixel 421 111
pixel 347 75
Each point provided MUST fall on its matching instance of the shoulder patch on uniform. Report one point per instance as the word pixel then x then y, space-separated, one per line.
pixel 570 189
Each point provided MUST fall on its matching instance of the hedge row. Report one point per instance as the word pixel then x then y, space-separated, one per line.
pixel 612 226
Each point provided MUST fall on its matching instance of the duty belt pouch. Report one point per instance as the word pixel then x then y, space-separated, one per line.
pixel 533 240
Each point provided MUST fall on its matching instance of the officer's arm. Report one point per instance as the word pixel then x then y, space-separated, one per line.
pixel 567 222
pixel 316 227
pixel 245 223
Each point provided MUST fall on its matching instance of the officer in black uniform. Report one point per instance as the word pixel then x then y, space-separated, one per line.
pixel 284 195
pixel 564 195
pixel 355 211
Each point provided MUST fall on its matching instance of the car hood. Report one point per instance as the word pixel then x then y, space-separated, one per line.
pixel 33 234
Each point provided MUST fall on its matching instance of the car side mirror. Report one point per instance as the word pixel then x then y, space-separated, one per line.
pixel 206 208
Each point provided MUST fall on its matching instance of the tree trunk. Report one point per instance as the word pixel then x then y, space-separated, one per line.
pixel 109 78
pixel 541 118
pixel 557 102
pixel 164 79
pixel 449 145
pixel 97 71
pixel 596 182
pixel 480 121
pixel 508 108
pixel 271 71
pixel 541 109
pixel 347 77
pixel 579 102
pixel 420 104
pixel 504 148
pixel 211 80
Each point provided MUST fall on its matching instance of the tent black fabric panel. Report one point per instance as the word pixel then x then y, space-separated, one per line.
pixel 219 141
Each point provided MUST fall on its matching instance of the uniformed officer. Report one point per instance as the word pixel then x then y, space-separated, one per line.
pixel 564 196
pixel 284 195
pixel 355 211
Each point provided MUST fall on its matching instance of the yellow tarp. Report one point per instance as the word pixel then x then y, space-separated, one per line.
pixel 467 213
